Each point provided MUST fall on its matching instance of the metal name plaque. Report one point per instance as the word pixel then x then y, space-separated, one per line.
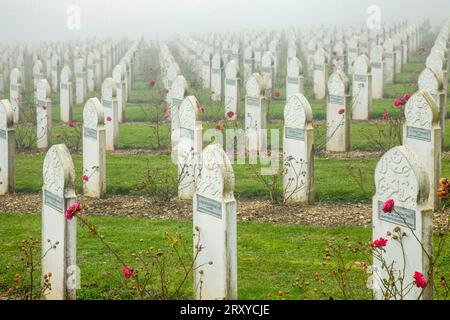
pixel 388 55
pixel 230 82
pixel 248 61
pixel 360 78
pixel 401 216
pixel 107 104
pixel 252 101
pixel 376 65
pixel 418 134
pixel 216 71
pixel 209 206
pixel 292 80
pixel 266 70
pixel 187 133
pixel 54 201
pixel 64 86
pixel 2 134
pixel 176 102
pixel 318 67
pixel 337 100
pixel 295 134
pixel 90 133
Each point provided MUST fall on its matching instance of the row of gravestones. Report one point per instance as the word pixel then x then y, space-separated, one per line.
pixel 47 60
pixel 100 131
pixel 345 44
pixel 408 175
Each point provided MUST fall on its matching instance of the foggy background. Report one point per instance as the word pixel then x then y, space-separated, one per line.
pixel 37 20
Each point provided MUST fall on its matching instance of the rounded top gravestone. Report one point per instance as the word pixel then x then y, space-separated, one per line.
pixel 6 115
pixel 190 112
pixel 431 80
pixel 217 61
pixel 93 114
pixel 232 70
pixel 37 68
pixel 255 86
pixel 388 45
pixel 400 177
pixel 294 67
pixel 43 89
pixel 361 65
pixel 377 54
pixel 216 178
pixel 435 60
pixel 66 74
pixel 109 90
pixel 320 57
pixel 118 74
pixel 421 111
pixel 16 76
pixel 179 88
pixel 267 60
pixel 338 83
pixel 59 171
pixel 297 112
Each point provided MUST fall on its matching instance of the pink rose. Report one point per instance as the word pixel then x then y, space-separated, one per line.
pixel 85 178
pixel 382 242
pixel 127 272
pixel 419 280
pixel 388 206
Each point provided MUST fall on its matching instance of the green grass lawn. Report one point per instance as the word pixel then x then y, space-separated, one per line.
pixel 333 181
pixel 270 257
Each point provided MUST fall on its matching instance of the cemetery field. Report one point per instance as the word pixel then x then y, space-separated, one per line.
pixel 279 254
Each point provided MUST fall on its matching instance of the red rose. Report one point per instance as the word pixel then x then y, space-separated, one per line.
pixel 127 272
pixel 382 242
pixel 74 208
pixel 388 206
pixel 109 118
pixel 230 114
pixel 277 94
pixel 341 111
pixel 397 103
pixel 151 83
pixel 419 280
pixel 218 126
pixel 85 178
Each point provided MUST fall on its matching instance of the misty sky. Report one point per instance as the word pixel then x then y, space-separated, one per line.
pixel 35 20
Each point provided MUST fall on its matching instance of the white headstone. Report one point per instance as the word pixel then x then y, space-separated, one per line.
pixel 109 102
pixel 338 115
pixel 94 149
pixel 43 114
pixel 56 63
pixel 80 81
pixel 268 73
pixel 255 115
pixel 216 78
pixel 66 94
pixel 58 194
pixel 232 90
pixel 190 146
pixel 206 69
pixel 320 74
pixel 298 150
pixel 215 228
pixel 119 76
pixel 248 63
pixel 390 61
pixel 422 135
pixel 294 80
pixel 362 89
pixel 7 148
pixel 15 93
pixel 176 98
pixel 377 61
pixel 400 177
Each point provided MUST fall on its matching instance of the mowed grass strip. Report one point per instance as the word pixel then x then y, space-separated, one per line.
pixel 270 257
